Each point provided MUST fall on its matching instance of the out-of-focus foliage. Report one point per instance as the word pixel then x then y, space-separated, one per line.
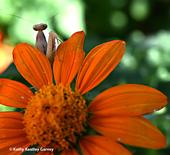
pixel 143 24
pixel 17 18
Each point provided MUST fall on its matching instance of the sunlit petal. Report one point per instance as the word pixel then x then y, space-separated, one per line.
pixel 128 99
pixel 100 145
pixel 14 94
pixel 12 132
pixel 33 65
pixel 69 57
pixel 11 125
pixel 12 143
pixel 134 131
pixel 98 64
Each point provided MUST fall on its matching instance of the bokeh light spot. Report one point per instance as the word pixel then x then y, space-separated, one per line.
pixel 129 61
pixel 153 56
pixel 139 9
pixel 118 19
pixel 137 36
pixel 163 74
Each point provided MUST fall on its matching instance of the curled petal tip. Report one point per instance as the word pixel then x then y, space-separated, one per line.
pixel 123 42
pixel 79 32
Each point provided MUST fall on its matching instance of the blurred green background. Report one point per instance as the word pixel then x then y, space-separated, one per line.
pixel 143 24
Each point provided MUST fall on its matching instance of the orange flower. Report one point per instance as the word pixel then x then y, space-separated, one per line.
pixel 5 54
pixel 55 116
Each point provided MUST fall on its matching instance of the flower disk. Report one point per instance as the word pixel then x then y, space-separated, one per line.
pixel 53 116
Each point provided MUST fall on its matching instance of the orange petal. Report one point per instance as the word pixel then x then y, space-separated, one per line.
pixel 68 58
pixel 5 56
pixel 70 152
pixel 33 65
pixel 14 115
pixel 8 146
pixel 98 64
pixel 100 145
pixel 12 152
pixel 135 131
pixel 10 123
pixel 12 133
pixel 11 127
pixel 128 99
pixel 14 94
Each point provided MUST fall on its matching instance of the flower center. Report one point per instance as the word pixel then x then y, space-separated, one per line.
pixel 54 116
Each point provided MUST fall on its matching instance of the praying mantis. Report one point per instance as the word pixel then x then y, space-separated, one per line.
pixel 48 48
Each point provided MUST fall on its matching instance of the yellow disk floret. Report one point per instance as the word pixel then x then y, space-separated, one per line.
pixel 53 116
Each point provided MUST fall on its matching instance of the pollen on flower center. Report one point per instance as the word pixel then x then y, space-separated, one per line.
pixel 53 116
